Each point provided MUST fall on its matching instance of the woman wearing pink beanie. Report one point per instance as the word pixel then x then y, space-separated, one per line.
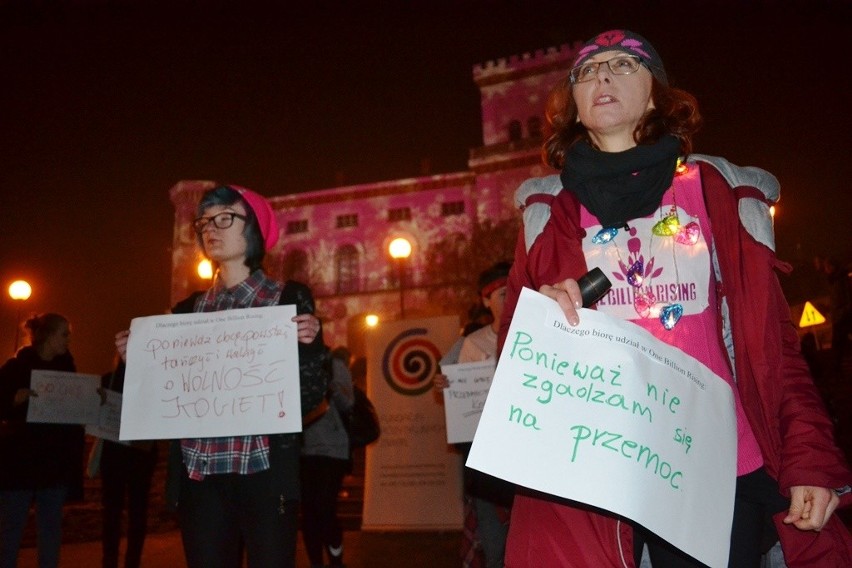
pixel 239 494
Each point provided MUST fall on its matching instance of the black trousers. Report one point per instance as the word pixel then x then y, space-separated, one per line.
pixel 224 515
pixel 322 478
pixel 126 474
pixel 752 533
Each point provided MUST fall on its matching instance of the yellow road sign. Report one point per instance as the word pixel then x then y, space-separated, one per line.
pixel 811 316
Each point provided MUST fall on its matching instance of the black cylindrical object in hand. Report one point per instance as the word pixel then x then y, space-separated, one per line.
pixel 593 285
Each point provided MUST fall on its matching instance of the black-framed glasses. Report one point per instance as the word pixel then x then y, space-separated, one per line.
pixel 220 221
pixel 619 65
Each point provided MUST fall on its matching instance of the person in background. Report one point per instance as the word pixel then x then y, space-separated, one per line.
pixel 840 298
pixel 42 463
pixel 126 470
pixel 488 500
pixel 325 462
pixel 241 494
pixel 358 369
pixel 622 203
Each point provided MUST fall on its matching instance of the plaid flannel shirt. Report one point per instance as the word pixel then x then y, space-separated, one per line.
pixel 233 454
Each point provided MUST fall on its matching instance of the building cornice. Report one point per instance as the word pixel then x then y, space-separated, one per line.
pixel 507 155
pixel 372 190
pixel 526 65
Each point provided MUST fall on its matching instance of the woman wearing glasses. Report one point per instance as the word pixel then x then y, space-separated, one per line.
pixel 688 242
pixel 241 493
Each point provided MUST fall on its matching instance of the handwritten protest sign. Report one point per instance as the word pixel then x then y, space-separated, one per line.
pixel 605 414
pixel 465 397
pixel 109 418
pixel 209 374
pixel 63 397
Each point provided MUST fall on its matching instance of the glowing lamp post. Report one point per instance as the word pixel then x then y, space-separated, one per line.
pixel 400 250
pixel 19 291
pixel 205 269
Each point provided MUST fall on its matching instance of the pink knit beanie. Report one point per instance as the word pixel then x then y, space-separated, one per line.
pixel 265 215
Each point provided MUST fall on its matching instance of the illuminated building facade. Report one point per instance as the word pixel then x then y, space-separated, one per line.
pixel 336 240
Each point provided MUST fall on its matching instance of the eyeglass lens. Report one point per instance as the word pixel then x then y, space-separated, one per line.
pixel 220 221
pixel 619 65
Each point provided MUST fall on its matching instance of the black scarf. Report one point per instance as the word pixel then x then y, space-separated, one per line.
pixel 618 186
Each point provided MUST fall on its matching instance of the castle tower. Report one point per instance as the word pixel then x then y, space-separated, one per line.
pixel 513 95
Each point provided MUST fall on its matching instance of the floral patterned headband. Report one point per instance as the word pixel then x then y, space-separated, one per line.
pixel 626 42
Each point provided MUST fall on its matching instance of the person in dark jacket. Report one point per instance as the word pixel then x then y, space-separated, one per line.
pixel 42 463
pixel 840 295
pixel 239 494
pixel 325 461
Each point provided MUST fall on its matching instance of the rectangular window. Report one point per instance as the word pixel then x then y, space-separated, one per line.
pixel 300 226
pixel 347 269
pixel 452 208
pixel 347 220
pixel 399 214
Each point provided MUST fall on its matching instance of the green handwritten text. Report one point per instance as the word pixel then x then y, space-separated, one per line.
pixel 628 449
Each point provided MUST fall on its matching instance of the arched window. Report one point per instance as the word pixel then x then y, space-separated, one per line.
pixel 515 132
pixel 295 265
pixel 346 266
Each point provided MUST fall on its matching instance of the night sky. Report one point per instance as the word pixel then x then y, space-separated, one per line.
pixel 106 104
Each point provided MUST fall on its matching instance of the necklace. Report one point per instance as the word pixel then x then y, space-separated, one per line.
pixel 640 275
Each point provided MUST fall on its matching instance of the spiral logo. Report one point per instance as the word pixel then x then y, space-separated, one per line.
pixel 410 362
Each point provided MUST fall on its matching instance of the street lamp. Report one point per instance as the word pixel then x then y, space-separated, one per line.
pixel 400 250
pixel 20 291
pixel 205 269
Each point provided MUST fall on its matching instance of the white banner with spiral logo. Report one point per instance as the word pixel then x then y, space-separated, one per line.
pixel 413 478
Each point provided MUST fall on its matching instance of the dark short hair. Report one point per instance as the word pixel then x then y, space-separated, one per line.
pixel 493 273
pixel 675 112
pixel 224 195
pixel 42 326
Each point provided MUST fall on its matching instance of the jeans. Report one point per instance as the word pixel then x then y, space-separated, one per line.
pixel 757 498
pixel 224 515
pixel 14 508
pixel 322 478
pixel 126 478
pixel 492 532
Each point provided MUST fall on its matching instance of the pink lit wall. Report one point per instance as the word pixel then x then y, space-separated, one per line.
pixel 336 239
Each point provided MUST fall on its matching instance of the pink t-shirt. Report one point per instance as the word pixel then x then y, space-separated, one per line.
pixel 674 273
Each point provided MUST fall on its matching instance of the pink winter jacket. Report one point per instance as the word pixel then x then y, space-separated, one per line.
pixel 780 400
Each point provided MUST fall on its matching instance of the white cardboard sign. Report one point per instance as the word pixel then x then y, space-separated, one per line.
pixel 465 397
pixel 210 374
pixel 63 397
pixel 109 418
pixel 606 414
